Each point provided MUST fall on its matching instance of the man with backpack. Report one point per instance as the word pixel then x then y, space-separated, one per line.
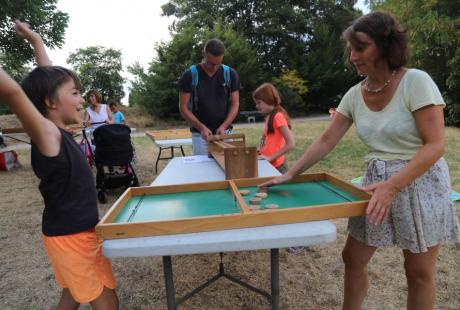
pixel 209 96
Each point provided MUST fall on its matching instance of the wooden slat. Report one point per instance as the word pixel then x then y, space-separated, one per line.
pixel 234 136
pixel 220 159
pixel 239 198
pixel 180 188
pixel 223 145
pixel 348 187
pixel 12 130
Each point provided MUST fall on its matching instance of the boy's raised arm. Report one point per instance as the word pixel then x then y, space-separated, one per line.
pixel 13 95
pixel 24 31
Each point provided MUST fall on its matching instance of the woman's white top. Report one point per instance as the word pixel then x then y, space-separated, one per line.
pixel 392 133
pixel 98 117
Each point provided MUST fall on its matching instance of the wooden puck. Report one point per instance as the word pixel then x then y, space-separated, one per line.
pixel 262 190
pixel 244 192
pixel 254 207
pixel 261 195
pixel 255 201
pixel 271 206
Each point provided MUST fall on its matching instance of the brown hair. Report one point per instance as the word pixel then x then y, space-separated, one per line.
pixel 96 94
pixel 388 35
pixel 269 94
pixel 43 83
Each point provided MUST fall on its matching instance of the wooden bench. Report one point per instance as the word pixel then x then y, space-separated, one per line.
pixel 169 139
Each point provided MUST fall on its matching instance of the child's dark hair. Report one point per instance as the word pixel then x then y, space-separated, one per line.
pixel 43 82
pixel 215 47
pixel 113 103
pixel 269 94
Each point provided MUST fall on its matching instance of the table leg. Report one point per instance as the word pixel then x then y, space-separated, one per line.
pixel 169 283
pixel 275 284
pixel 158 159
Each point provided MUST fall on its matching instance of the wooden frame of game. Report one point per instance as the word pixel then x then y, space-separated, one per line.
pixel 109 229
pixel 231 153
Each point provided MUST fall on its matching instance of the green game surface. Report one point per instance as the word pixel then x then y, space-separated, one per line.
pixel 177 206
pixel 295 195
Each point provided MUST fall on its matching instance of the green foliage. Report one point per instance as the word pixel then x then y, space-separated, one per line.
pixel 291 86
pixel 434 26
pixel 264 39
pixel 324 64
pixel 43 17
pixel 99 68
pixel 292 79
pixel 156 89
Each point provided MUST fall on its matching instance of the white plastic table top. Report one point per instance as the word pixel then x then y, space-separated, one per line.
pixel 173 142
pixel 179 172
pixel 267 237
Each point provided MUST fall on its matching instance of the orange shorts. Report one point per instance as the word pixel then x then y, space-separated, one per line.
pixel 79 265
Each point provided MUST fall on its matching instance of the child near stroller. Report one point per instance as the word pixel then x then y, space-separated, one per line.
pixel 113 148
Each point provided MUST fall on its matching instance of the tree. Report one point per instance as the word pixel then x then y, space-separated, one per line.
pixel 156 89
pixel 43 17
pixel 99 68
pixel 434 28
pixel 288 35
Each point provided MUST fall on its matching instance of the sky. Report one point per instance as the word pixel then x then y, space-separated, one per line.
pixel 132 26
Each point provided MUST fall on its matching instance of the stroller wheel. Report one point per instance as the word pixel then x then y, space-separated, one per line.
pixel 102 197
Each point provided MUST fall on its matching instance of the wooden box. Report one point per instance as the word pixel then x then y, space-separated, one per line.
pixel 164 210
pixel 231 153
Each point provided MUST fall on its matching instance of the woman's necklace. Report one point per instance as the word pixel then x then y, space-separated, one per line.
pixel 377 90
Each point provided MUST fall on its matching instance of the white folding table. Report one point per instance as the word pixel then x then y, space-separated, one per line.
pixel 267 237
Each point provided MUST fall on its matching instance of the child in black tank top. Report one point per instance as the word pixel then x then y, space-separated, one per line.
pixel 67 184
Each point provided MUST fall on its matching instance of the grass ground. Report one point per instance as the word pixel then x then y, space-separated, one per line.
pixel 311 280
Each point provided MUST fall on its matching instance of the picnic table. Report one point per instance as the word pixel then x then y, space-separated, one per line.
pixel 169 139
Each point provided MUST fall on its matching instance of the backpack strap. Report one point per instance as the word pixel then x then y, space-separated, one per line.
pixel 193 104
pixel 194 72
pixel 227 79
pixel 228 84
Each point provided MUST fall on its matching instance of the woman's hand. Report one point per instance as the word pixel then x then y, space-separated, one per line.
pixel 383 195
pixel 275 181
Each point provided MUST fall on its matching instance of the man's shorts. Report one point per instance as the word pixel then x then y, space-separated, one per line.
pixel 79 265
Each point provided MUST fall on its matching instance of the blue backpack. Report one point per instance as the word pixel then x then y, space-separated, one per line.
pixel 193 105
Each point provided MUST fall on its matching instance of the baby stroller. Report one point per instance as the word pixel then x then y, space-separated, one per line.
pixel 113 148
